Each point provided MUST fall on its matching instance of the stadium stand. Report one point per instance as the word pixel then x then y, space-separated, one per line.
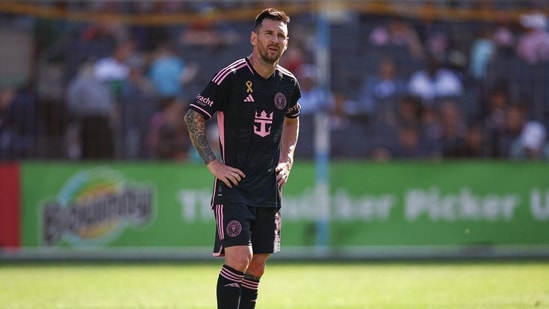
pixel 38 124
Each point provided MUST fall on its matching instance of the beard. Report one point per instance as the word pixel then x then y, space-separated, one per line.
pixel 268 56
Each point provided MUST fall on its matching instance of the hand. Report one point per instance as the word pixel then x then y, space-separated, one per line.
pixel 282 173
pixel 229 175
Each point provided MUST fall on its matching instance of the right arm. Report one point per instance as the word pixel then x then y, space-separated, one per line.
pixel 196 125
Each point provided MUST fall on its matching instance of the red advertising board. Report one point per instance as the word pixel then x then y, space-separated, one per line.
pixel 9 206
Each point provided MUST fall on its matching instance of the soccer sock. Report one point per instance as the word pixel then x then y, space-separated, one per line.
pixel 250 287
pixel 228 288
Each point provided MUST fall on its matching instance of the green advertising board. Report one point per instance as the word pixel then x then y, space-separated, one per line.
pixel 459 203
pixel 397 204
pixel 115 205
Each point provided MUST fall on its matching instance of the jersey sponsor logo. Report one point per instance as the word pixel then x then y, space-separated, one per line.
pixel 262 123
pixel 204 100
pixel 234 228
pixel 249 98
pixel 280 100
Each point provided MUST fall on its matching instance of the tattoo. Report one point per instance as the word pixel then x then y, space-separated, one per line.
pixel 196 125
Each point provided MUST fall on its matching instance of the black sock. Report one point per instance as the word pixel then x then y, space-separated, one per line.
pixel 250 287
pixel 228 288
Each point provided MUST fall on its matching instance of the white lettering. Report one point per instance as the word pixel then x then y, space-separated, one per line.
pixel 538 207
pixel 418 204
pixel 343 207
pixel 365 208
pixel 461 206
pixel 301 207
pixel 195 205
pixel 204 100
pixel 415 204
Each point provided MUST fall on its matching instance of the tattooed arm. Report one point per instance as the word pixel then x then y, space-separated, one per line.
pixel 196 125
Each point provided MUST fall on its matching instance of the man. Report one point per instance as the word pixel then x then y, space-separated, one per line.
pixel 257 115
pixel 92 104
pixel 533 42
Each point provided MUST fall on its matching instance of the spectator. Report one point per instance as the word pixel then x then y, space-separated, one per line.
pixel 379 91
pixel 523 139
pixel 7 130
pixel 504 38
pixel 136 108
pixel 92 106
pixel 313 97
pixel 294 57
pixel 169 73
pixel 531 144
pixel 20 123
pixel 430 123
pixel 493 117
pixel 107 26
pixel 411 144
pixel 533 44
pixel 398 33
pixel 137 81
pixel 313 100
pixel 409 110
pixel 482 51
pixel 434 34
pixel 434 82
pixel 209 33
pixel 342 111
pixel 452 139
pixel 168 138
pixel 476 143
pixel 380 153
pixel 114 69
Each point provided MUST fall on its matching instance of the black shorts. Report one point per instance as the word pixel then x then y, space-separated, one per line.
pixel 242 225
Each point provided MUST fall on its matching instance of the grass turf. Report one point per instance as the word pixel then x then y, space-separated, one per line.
pixel 285 285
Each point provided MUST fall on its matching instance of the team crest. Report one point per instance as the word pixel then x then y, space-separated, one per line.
pixel 234 228
pixel 280 100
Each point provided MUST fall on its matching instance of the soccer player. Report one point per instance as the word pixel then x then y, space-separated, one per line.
pixel 256 101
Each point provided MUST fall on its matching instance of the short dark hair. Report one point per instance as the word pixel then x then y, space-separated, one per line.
pixel 273 14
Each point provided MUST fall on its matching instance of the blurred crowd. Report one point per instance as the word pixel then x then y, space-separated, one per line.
pixel 400 88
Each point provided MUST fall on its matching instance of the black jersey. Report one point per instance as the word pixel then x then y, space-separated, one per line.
pixel 250 116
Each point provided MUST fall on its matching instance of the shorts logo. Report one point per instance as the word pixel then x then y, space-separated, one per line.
pixel 280 100
pixel 234 228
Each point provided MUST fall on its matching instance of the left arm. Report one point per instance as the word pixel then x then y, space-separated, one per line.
pixel 290 133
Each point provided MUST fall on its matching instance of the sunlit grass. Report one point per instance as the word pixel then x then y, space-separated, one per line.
pixel 295 285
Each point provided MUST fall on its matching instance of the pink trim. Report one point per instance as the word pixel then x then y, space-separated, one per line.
pixel 212 205
pixel 250 284
pixel 221 128
pixel 231 275
pixel 220 253
pixel 285 71
pixel 231 68
pixel 219 221
pixel 201 109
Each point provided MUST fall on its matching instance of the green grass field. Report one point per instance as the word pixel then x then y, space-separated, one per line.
pixel 285 285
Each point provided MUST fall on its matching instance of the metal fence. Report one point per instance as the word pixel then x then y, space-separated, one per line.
pixel 491 102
